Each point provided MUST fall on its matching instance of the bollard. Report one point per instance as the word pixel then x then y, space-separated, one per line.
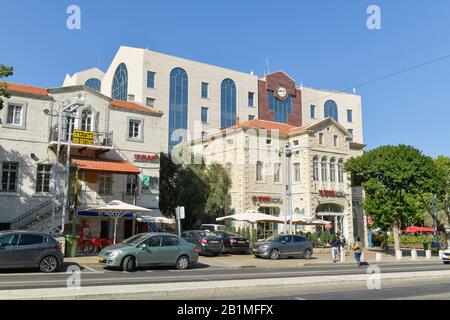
pixel 342 255
pixel 379 257
pixel 428 255
pixel 399 255
pixel 414 255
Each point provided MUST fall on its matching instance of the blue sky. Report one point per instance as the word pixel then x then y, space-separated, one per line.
pixel 322 43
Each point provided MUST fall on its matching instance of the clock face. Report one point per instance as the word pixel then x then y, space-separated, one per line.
pixel 282 92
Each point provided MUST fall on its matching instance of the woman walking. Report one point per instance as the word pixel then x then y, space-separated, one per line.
pixel 357 249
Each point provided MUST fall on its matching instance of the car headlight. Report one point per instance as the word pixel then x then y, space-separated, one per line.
pixel 113 254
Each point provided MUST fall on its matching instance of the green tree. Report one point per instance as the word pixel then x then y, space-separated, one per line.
pixel 443 194
pixel 168 187
pixel 394 179
pixel 5 71
pixel 219 200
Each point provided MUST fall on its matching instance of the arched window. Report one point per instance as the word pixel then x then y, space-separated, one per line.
pixel 120 83
pixel 333 170
pixel 259 171
pixel 178 104
pixel 331 110
pixel 316 169
pixel 324 169
pixel 93 84
pixel 86 120
pixel 228 103
pixel 341 171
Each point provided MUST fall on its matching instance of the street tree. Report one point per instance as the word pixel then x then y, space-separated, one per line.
pixel 5 71
pixel 394 178
pixel 219 200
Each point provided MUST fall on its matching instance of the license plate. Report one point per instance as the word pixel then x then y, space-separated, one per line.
pixel 214 241
pixel 242 242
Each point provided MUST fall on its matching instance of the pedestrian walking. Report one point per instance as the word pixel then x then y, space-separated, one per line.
pixel 357 249
pixel 336 244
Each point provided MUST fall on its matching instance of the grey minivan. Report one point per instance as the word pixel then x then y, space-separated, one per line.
pixel 283 246
pixel 23 249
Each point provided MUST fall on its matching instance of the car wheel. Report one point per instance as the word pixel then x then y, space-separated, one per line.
pixel 275 254
pixel 182 263
pixel 307 254
pixel 129 264
pixel 49 264
pixel 446 262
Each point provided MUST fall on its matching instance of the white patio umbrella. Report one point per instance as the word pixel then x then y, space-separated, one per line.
pixel 309 221
pixel 154 216
pixel 117 209
pixel 252 217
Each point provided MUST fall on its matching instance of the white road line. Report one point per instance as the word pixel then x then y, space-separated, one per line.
pixel 300 299
pixel 91 269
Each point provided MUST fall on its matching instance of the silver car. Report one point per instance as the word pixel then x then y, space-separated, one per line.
pixel 22 249
pixel 283 246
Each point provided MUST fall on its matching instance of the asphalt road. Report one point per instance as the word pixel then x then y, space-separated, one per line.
pixel 98 276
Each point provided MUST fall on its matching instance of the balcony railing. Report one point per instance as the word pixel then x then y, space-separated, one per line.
pixel 99 139
pixel 93 198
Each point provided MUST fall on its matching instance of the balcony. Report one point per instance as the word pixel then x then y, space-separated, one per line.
pixel 88 198
pixel 82 139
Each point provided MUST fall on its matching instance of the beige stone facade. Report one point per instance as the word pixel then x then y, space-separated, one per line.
pixel 320 187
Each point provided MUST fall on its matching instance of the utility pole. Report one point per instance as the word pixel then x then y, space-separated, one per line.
pixel 433 207
pixel 67 174
pixel 287 152
pixel 55 167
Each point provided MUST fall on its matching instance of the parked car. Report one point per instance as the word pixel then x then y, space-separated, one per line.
pixel 446 256
pixel 150 249
pixel 212 227
pixel 234 243
pixel 23 249
pixel 208 242
pixel 283 246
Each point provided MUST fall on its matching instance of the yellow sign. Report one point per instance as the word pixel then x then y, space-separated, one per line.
pixel 83 137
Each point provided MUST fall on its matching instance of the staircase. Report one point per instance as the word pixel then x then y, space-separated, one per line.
pixel 39 217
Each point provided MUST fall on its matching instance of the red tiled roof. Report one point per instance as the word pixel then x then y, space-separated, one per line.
pixel 132 106
pixel 26 89
pixel 103 165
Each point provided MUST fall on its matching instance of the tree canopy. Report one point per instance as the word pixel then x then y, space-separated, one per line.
pixel 395 180
pixel 5 71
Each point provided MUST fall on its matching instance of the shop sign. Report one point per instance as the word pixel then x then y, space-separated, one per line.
pixel 331 194
pixel 83 137
pixel 138 157
pixel 148 181
pixel 266 199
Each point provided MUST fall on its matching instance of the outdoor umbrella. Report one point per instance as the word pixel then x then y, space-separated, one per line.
pixel 415 229
pixel 154 216
pixel 309 221
pixel 117 209
pixel 252 217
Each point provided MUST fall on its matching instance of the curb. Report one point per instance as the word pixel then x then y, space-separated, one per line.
pixel 211 289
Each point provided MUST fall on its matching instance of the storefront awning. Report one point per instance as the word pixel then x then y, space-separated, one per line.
pixel 103 165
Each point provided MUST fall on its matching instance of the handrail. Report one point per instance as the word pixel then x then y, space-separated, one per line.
pixel 35 209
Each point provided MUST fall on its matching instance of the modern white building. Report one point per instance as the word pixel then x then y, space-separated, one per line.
pixel 186 91
pixel 113 149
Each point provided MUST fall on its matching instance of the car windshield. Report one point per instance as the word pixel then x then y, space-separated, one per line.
pixel 135 239
pixel 207 234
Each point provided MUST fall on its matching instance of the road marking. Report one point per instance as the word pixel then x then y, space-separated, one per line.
pixel 300 299
pixel 91 269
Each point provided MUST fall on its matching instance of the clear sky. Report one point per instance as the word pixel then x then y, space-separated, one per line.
pixel 322 43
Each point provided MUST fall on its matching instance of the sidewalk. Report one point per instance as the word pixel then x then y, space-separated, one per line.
pixel 249 261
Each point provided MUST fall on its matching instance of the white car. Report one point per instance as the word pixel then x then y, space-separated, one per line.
pixel 446 256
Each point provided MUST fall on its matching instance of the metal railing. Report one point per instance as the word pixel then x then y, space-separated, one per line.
pixel 35 213
pixel 93 198
pixel 103 139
